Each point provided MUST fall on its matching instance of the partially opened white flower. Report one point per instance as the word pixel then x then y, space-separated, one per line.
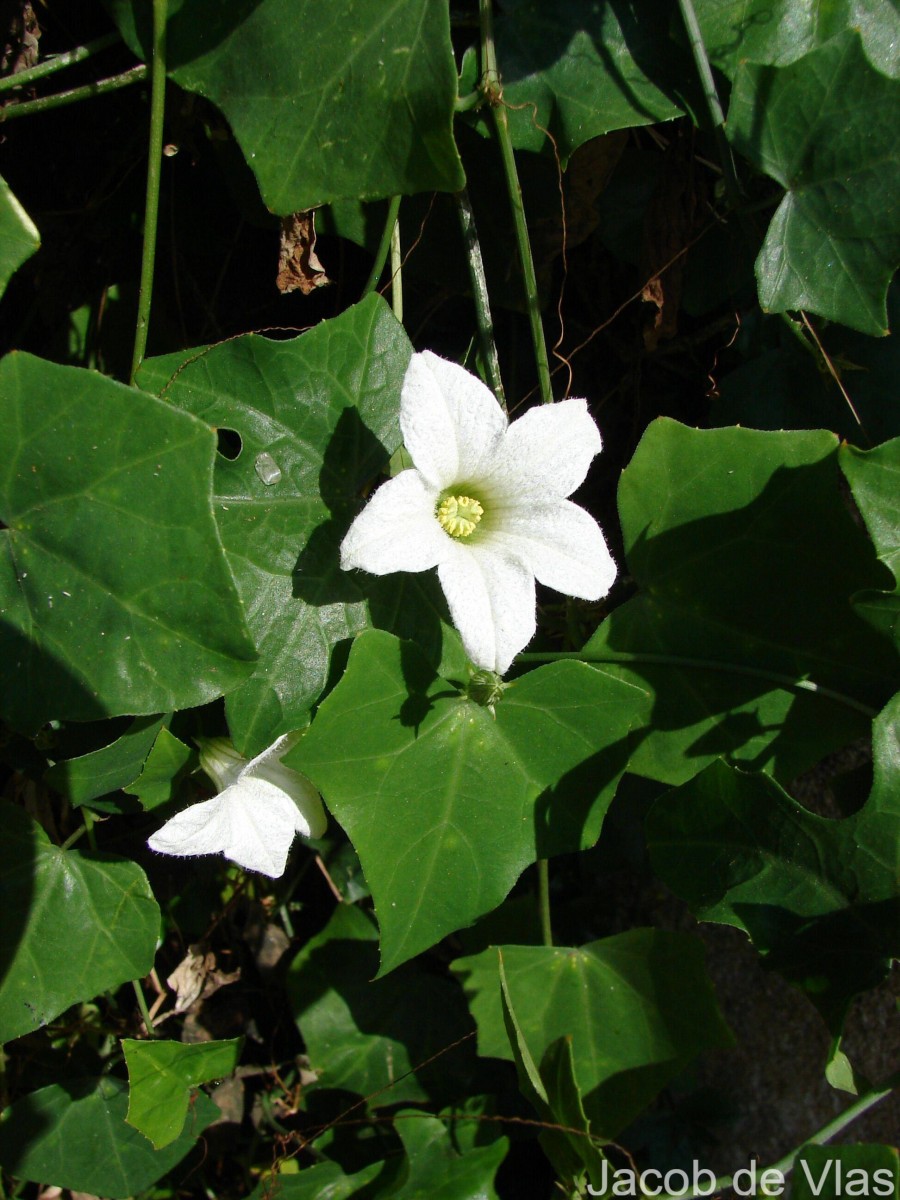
pixel 486 504
pixel 260 807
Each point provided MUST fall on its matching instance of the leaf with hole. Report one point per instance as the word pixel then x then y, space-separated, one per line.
pixel 115 595
pixel 324 408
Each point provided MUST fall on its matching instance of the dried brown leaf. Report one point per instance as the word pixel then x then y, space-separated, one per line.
pixel 298 265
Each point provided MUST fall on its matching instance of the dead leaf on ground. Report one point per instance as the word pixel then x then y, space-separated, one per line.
pixel 298 265
pixel 196 977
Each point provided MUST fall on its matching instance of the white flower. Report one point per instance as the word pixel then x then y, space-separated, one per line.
pixel 260 807
pixel 486 504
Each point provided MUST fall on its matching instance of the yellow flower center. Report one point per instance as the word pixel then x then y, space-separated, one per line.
pixel 459 515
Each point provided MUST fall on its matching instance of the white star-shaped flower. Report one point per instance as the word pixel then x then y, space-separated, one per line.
pixel 486 504
pixel 260 807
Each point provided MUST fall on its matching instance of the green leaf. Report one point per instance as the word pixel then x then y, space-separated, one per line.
pixel 74 924
pixel 97 774
pixel 554 1094
pixel 167 763
pixel 824 128
pixel 161 1076
pixel 746 559
pixel 874 478
pixel 322 1181
pixel 445 803
pixel 76 1137
pixel 580 69
pixel 356 99
pixel 114 591
pixel 19 238
pixel 435 1168
pixel 778 32
pixel 638 1007
pixel 820 898
pixel 324 407
pixel 832 1172
pixel 369 1036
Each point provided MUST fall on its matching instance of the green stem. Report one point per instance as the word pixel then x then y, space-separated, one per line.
pixel 27 108
pixel 714 107
pixel 480 295
pixel 675 660
pixel 142 1005
pixel 89 829
pixel 50 65
pixel 467 103
pixel 786 1164
pixel 383 247
pixel 74 837
pixel 543 873
pixel 490 83
pixel 396 273
pixel 154 165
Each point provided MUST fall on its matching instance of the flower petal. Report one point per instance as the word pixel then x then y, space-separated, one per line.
pixel 545 453
pixel 220 761
pixel 450 420
pixel 397 530
pixel 310 819
pixel 253 823
pixel 560 543
pixel 492 603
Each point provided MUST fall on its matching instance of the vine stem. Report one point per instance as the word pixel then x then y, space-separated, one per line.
pixel 786 1163
pixel 711 95
pixel 142 1005
pixel 383 246
pixel 58 62
pixel 154 166
pixel 543 874
pixel 480 295
pixel 490 83
pixel 28 108
pixel 674 660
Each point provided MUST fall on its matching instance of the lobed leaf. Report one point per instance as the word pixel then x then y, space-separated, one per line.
pixel 446 803
pixel 637 1006
pixel 350 99
pixel 824 127
pixel 820 898
pixel 90 776
pixel 75 1136
pixel 74 924
pixel 162 1076
pixel 370 1036
pixel 115 596
pixel 747 562
pixel 324 409
pixel 579 69
pixel 778 32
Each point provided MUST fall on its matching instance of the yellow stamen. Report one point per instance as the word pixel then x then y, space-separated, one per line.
pixel 459 515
